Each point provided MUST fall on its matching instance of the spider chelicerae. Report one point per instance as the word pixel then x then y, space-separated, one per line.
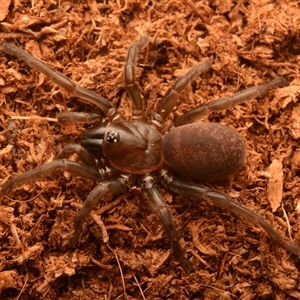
pixel 121 153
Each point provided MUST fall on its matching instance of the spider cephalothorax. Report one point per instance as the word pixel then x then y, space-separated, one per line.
pixel 120 153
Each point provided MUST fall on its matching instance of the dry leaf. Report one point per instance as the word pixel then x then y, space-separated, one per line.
pixel 4 9
pixel 275 184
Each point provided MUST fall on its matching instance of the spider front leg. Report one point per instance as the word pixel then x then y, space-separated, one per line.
pixel 79 117
pixel 159 206
pixel 57 77
pixel 49 169
pixel 223 201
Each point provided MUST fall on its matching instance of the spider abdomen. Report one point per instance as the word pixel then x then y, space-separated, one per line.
pixel 204 151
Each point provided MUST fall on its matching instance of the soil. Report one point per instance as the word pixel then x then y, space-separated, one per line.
pixel 251 42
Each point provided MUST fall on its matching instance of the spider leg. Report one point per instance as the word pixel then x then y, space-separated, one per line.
pixel 49 169
pixel 79 117
pixel 104 191
pixel 82 153
pixel 129 74
pixel 170 99
pixel 158 205
pixel 227 102
pixel 57 77
pixel 223 201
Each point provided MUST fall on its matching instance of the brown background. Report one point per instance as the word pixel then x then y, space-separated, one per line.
pixel 251 44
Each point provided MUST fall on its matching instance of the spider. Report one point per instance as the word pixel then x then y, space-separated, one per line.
pixel 120 153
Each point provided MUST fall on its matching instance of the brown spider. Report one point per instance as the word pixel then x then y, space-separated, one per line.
pixel 120 153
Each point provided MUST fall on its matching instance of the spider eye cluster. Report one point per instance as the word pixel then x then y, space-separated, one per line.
pixel 112 137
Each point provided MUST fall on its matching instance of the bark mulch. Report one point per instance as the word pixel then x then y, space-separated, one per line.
pixel 251 43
